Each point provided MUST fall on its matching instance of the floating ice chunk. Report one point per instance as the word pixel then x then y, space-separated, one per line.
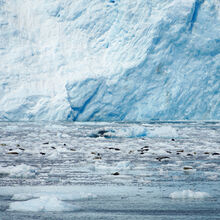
pixel 134 131
pixel 4 171
pixel 19 171
pixel 164 131
pixel 22 196
pixel 44 203
pixel 53 156
pixel 123 165
pixel 87 195
pixel 188 194
pixel 120 166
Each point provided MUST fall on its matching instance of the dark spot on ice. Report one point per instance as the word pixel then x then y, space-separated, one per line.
pixel 64 144
pixel 53 147
pixel 187 168
pixel 18 145
pixel 189 155
pixel 2 175
pixel 215 154
pixel 21 148
pixel 72 149
pixel 206 152
pixel 42 153
pixel 106 136
pixel 3 145
pixel 114 148
pixel 180 151
pixel 102 132
pixel 97 158
pixel 143 149
pixel 46 143
pixel 94 136
pixel 112 1
pixel 162 158
pixel 15 153
pixel 169 152
pixel 172 139
pixel 116 174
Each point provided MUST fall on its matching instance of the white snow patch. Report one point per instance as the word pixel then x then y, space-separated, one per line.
pixel 188 194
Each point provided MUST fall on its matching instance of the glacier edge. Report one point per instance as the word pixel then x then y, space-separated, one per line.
pixel 110 61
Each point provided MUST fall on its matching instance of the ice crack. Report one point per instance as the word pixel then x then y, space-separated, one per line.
pixel 194 13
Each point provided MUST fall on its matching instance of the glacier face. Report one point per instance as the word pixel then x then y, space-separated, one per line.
pixel 107 60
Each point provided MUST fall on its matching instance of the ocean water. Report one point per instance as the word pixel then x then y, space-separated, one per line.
pixel 151 170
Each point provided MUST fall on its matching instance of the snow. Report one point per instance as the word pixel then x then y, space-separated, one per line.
pixel 105 61
pixel 189 194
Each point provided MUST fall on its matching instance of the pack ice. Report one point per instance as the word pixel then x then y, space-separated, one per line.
pixel 128 60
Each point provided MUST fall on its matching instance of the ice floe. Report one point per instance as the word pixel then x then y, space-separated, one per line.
pixel 163 131
pixel 189 194
pixel 19 171
pixel 44 203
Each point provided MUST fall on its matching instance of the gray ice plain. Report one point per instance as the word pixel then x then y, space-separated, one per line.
pixel 153 170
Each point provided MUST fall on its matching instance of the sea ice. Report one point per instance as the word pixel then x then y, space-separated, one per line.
pixel 19 171
pixel 44 203
pixel 163 131
pixel 22 196
pixel 188 194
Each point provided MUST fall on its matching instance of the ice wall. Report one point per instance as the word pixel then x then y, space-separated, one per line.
pixel 109 60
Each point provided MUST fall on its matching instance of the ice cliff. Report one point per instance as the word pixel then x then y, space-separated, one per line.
pixel 109 60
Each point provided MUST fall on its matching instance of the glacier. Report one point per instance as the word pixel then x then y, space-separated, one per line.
pixel 109 60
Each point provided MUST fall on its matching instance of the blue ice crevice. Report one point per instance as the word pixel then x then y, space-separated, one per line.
pixel 80 94
pixel 194 13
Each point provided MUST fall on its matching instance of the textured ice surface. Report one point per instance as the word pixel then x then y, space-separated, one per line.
pixel 109 60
